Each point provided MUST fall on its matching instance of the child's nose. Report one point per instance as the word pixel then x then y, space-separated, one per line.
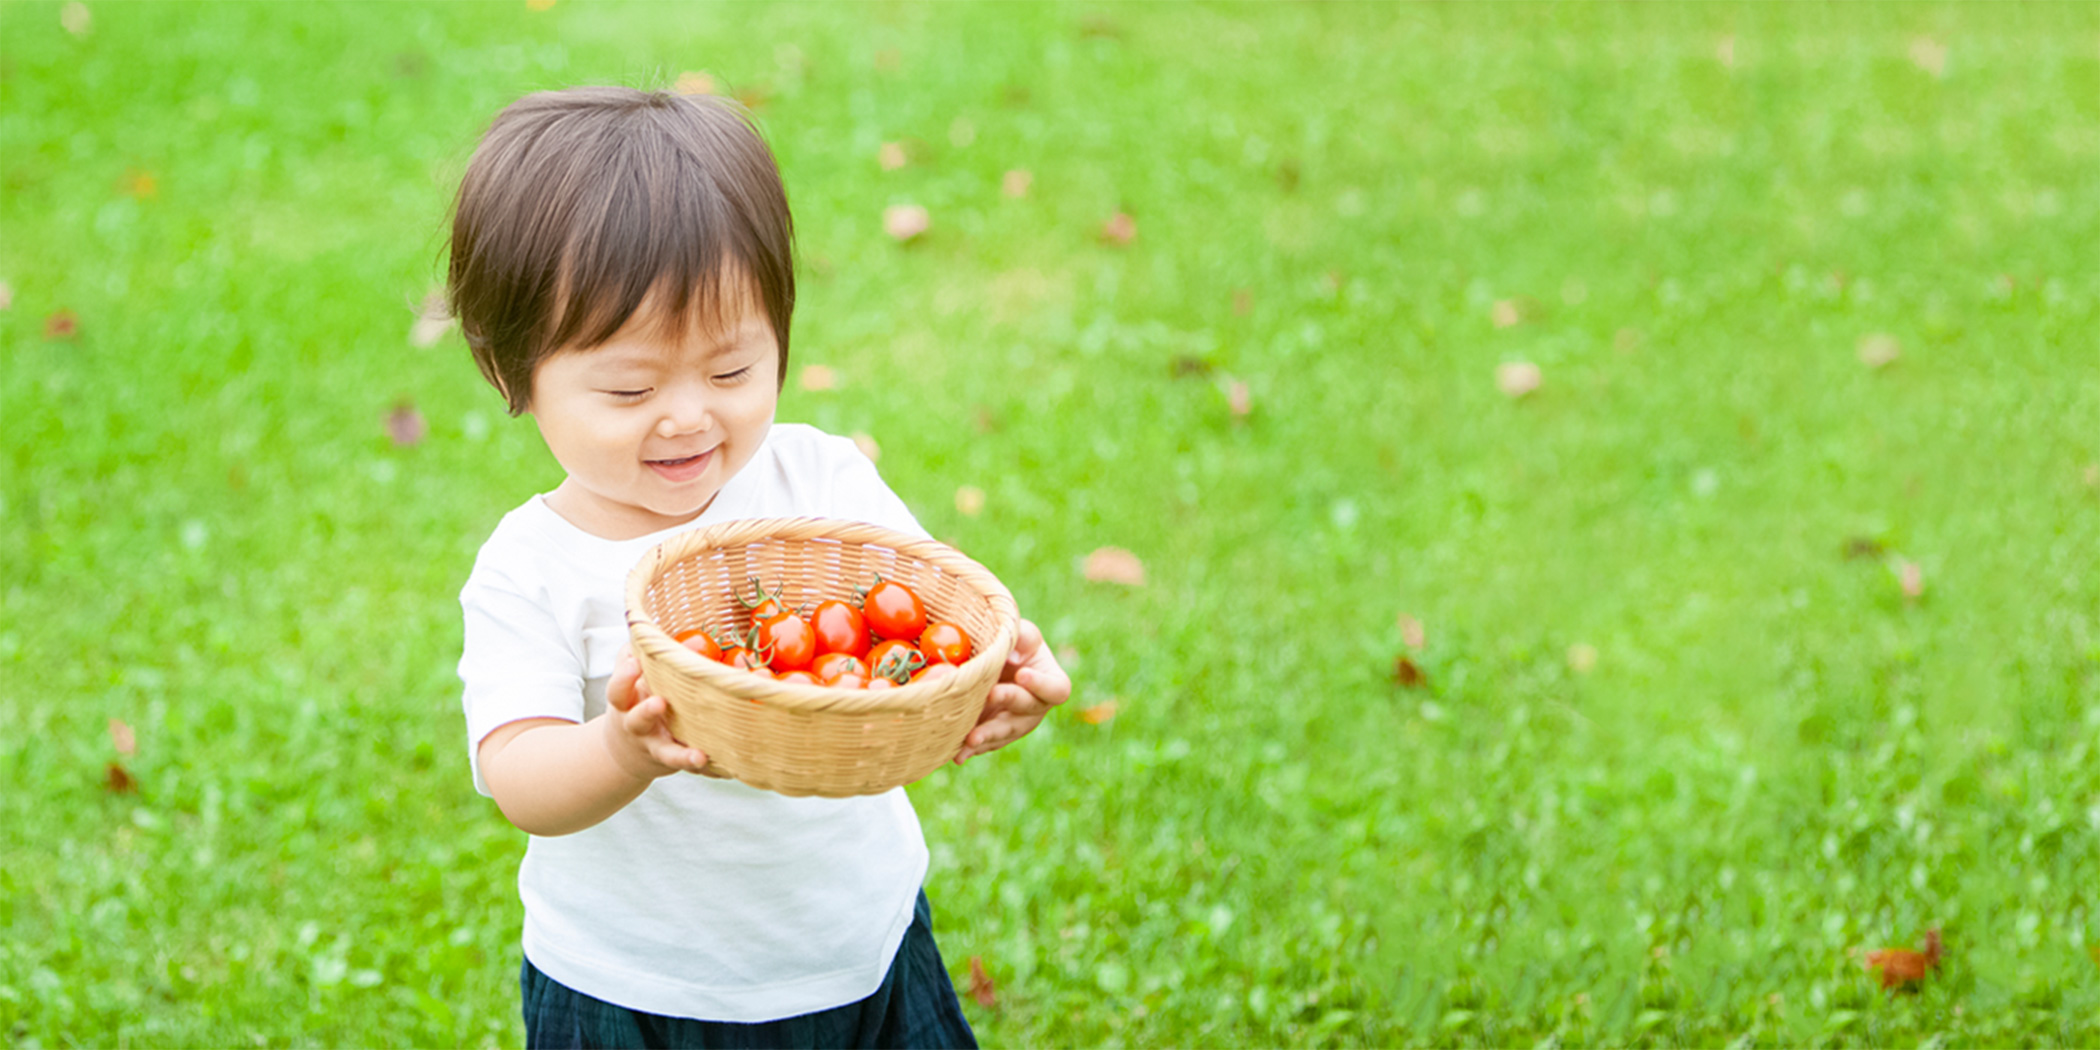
pixel 685 414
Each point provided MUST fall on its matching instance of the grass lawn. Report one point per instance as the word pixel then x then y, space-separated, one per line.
pixel 1730 654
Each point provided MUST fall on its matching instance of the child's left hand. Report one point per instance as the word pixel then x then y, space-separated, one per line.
pixel 1030 685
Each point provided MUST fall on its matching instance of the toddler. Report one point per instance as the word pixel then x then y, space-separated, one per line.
pixel 621 267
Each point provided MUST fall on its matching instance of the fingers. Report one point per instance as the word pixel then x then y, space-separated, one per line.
pixel 620 690
pixel 649 721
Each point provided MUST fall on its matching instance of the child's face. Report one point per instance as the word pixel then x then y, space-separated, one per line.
pixel 649 428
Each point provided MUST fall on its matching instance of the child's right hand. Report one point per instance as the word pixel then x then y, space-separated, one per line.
pixel 638 728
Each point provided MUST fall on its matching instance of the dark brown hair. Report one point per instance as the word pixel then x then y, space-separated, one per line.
pixel 579 204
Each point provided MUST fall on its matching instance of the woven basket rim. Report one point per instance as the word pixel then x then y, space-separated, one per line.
pixel 648 635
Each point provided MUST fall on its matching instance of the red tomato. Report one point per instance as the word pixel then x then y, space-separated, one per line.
pixel 700 642
pixel 788 642
pixel 945 643
pixel 933 671
pixel 849 680
pixel 893 610
pixel 803 677
pixel 840 628
pixel 766 607
pixel 895 659
pixel 880 683
pixel 832 665
pixel 743 659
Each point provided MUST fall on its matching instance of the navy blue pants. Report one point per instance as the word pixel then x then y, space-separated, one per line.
pixel 915 1007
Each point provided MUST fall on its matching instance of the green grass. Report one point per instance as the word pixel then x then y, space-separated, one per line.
pixel 1775 760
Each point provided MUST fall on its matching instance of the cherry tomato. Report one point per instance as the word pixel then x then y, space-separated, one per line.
pixel 766 607
pixel 840 628
pixel 788 642
pixel 893 611
pixel 700 642
pixel 933 671
pixel 945 643
pixel 802 677
pixel 831 665
pixel 849 680
pixel 880 683
pixel 743 659
pixel 895 659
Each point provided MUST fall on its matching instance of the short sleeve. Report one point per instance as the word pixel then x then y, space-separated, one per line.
pixel 517 662
pixel 858 491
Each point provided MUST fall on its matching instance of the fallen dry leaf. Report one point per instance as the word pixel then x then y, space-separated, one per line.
pixel 1518 378
pixel 74 17
pixel 1901 968
pixel 1185 365
pixel 1239 400
pixel 1879 350
pixel 891 156
pixel 405 425
pixel 819 377
pixel 141 184
pixel 539 5
pixel 1119 229
pixel 753 97
pixel 1098 713
pixel 1859 547
pixel 1115 565
pixel 694 82
pixel 119 780
pixel 905 221
pixel 981 988
pixel 1929 55
pixel 7 295
pixel 433 320
pixel 1582 658
pixel 1412 634
pixel 63 324
pixel 1911 578
pixel 1015 183
pixel 985 421
pixel 1407 673
pixel 1242 301
pixel 969 501
pixel 867 446
pixel 1505 313
pixel 122 737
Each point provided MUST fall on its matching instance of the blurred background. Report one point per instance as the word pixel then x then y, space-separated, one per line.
pixel 1570 523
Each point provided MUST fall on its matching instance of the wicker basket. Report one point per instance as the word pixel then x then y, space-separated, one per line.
pixel 799 739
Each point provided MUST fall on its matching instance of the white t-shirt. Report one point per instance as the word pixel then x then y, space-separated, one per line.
pixel 702 898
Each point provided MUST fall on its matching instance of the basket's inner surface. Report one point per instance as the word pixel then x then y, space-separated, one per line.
pixel 703 589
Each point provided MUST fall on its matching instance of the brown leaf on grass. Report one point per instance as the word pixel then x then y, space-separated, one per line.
pixel 753 97
pixel 405 425
pixel 1725 51
pixel 539 5
pixel 118 781
pixel 1412 633
pixel 891 156
pixel 1408 674
pixel 1911 578
pixel 75 19
pixel 1239 400
pixel 984 421
pixel 1901 968
pixel 121 736
pixel 1015 183
pixel 868 447
pixel 1929 55
pixel 819 377
pixel 905 222
pixel 140 184
pixel 981 988
pixel 1098 713
pixel 1186 365
pixel 1505 313
pixel 1099 27
pixel 7 295
pixel 1517 378
pixel 63 324
pixel 1120 229
pixel 1858 547
pixel 1115 565
pixel 1879 350
pixel 1242 301
pixel 694 82
pixel 969 501
pixel 433 320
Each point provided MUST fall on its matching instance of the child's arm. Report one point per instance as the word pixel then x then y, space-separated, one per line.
pixel 551 776
pixel 1029 686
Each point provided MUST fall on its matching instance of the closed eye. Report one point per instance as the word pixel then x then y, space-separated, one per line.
pixel 628 395
pixel 737 376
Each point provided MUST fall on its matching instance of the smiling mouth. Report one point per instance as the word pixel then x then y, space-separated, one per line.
pixel 684 468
